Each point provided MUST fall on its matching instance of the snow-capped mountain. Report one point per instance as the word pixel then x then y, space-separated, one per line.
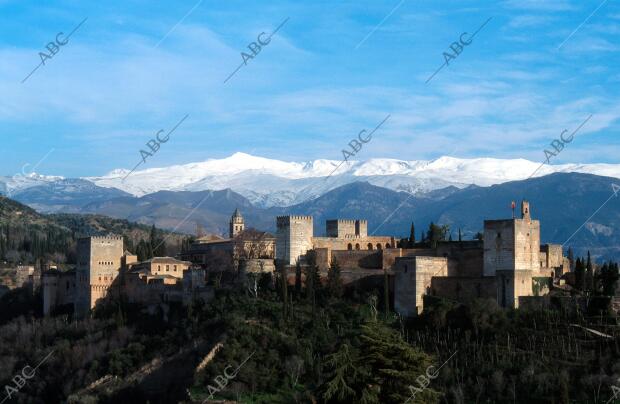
pixel 20 182
pixel 267 182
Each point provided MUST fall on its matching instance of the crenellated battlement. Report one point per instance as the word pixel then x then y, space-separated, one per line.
pixel 285 220
pixel 109 237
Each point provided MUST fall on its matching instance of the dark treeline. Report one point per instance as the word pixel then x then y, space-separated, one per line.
pixel 27 243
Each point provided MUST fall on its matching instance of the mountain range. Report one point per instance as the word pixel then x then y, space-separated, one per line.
pixel 274 183
pixel 391 194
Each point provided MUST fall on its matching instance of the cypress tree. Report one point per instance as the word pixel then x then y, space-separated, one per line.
pixel 386 293
pixel 284 281
pixel 571 259
pixel 412 235
pixel 579 275
pixel 297 279
pixel 589 274
pixel 334 281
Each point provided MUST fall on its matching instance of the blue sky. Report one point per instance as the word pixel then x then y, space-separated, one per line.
pixel 116 83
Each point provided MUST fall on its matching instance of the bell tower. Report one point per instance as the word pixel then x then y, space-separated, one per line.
pixel 525 210
pixel 236 224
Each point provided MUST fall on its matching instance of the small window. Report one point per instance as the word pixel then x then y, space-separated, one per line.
pixel 175 268
pixel 167 268
pixel 159 267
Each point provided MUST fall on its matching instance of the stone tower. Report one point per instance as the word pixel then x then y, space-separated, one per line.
pixel 98 267
pixel 236 224
pixel 511 255
pixel 293 238
pixel 525 210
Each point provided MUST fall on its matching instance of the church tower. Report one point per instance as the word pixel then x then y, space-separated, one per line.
pixel 236 224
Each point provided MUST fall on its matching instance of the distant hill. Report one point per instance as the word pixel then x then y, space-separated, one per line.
pixel 181 210
pixel 65 195
pixel 26 234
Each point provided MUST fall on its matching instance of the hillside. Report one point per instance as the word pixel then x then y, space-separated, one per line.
pixel 26 235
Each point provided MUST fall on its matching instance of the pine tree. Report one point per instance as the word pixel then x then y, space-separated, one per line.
pixel 460 237
pixel 394 365
pixel 345 379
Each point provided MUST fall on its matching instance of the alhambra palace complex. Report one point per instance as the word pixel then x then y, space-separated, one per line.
pixel 509 265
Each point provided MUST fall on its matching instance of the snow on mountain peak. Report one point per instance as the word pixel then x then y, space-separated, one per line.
pixel 270 182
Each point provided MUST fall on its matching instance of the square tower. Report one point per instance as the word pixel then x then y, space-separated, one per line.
pixel 293 238
pixel 99 260
pixel 511 254
pixel 346 228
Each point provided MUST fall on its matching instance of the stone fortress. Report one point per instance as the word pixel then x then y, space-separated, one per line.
pixel 505 267
pixel 104 270
pixel 509 265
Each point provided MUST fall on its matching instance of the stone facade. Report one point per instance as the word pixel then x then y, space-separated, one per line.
pixel 163 266
pixel 59 289
pixel 98 266
pixel 293 238
pixel 343 228
pixel 413 280
pixel 503 266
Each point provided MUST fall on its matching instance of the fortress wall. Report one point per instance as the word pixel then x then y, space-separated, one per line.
pixel 553 255
pixel 358 259
pixel 376 243
pixel 464 289
pixel 413 277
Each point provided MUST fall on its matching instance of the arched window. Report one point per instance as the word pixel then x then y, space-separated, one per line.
pixel 357 246
pixel 350 247
pixel 378 246
pixel 370 246
pixel 387 245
